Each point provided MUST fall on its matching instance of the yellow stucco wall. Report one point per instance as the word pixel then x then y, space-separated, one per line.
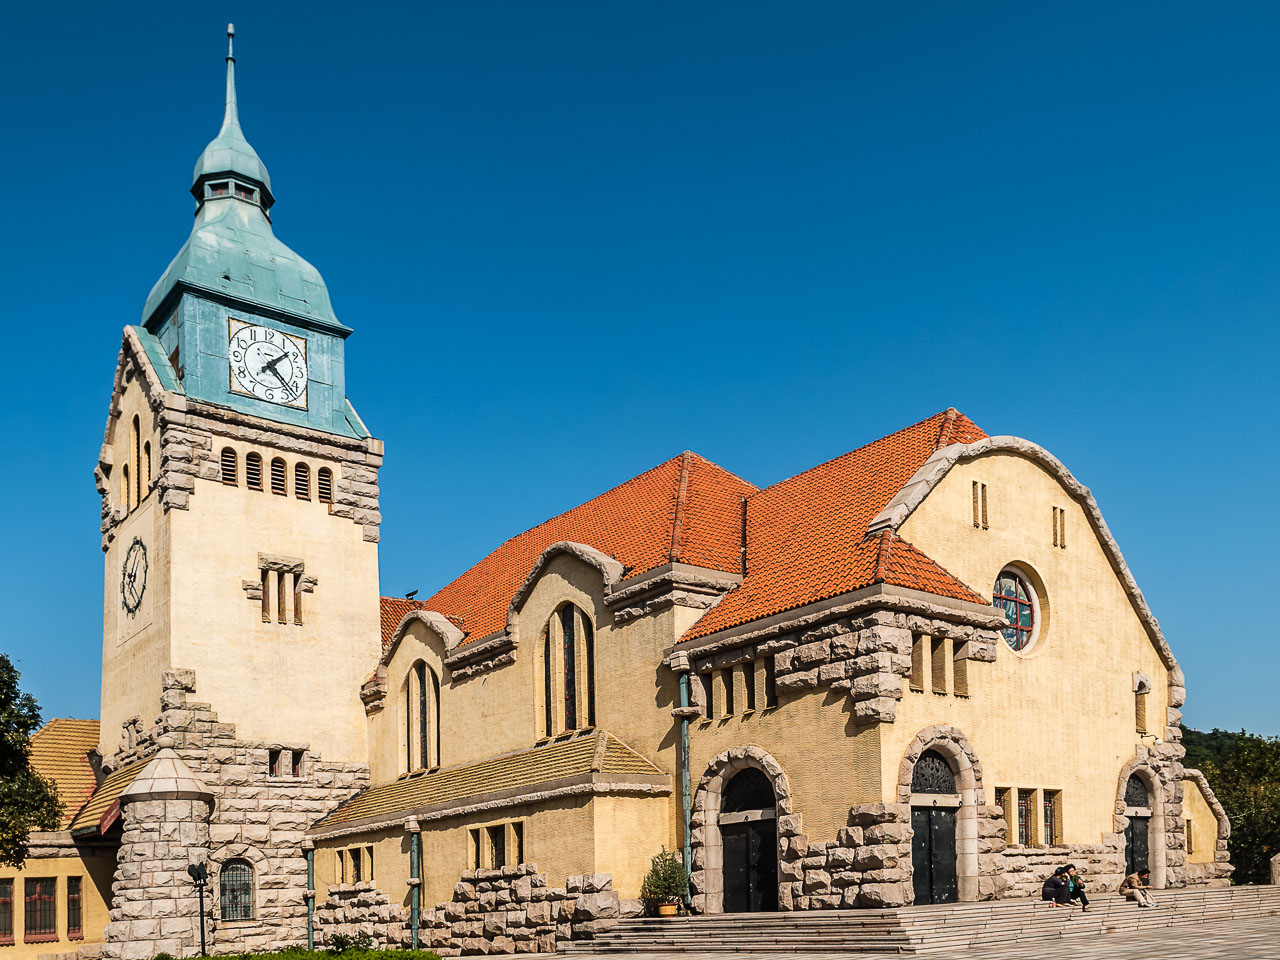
pixel 96 871
pixel 1062 715
pixel 1204 825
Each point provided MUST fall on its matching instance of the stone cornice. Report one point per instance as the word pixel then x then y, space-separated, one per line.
pixel 922 483
pixel 590 784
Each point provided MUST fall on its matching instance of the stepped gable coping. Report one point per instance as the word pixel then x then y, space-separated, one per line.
pixel 60 753
pixel 686 509
pixel 585 762
pixel 808 538
pixel 930 474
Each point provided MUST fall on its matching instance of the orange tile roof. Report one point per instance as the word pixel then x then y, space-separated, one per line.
pixel 687 509
pixel 60 752
pixel 806 536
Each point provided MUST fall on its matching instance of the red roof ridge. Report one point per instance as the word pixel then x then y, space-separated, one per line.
pixel 944 435
pixel 677 525
pixel 882 556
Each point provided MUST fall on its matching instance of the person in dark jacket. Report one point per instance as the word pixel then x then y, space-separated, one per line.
pixel 1076 885
pixel 1057 889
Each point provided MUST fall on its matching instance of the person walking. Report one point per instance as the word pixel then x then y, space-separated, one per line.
pixel 1075 884
pixel 1136 887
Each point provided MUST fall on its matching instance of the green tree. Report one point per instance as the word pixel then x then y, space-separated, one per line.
pixel 27 801
pixel 1246 780
pixel 1205 747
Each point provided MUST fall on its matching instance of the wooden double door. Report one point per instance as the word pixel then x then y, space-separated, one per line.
pixel 1137 845
pixel 933 854
pixel 750 865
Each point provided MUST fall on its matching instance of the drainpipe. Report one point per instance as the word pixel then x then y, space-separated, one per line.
pixel 685 712
pixel 309 848
pixel 415 877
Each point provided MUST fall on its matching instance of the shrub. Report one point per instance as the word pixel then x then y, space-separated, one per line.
pixel 666 879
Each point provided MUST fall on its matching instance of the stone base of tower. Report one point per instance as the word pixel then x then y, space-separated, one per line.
pixel 199 794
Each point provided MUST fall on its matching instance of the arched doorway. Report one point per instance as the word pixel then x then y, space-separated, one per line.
pixel 749 843
pixel 935 801
pixel 1137 835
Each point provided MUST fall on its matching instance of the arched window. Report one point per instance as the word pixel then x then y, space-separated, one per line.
pixel 126 488
pixel 568 671
pixel 277 476
pixel 422 718
pixel 932 774
pixel 1135 792
pixel 229 467
pixel 302 481
pixel 146 467
pixel 324 485
pixel 235 890
pixel 135 448
pixel 253 471
pixel 1014 597
pixel 749 789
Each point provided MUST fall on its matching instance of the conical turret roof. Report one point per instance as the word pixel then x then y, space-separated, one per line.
pixel 229 151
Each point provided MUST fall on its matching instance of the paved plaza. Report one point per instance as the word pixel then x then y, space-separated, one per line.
pixel 1254 939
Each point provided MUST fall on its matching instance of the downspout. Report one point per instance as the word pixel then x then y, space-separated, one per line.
pixel 415 878
pixel 310 848
pixel 685 711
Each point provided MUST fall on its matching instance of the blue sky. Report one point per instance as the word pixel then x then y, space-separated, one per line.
pixel 575 239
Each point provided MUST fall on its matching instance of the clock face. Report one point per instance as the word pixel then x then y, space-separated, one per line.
pixel 268 364
pixel 133 576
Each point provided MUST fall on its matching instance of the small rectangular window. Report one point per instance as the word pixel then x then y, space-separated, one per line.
pixel 281 594
pixel 1053 816
pixel 985 524
pixel 75 927
pixel 1026 817
pixel 708 695
pixel 916 679
pixel 368 871
pixel 960 677
pixel 497 837
pixel 273 763
pixel 357 866
pixel 245 193
pixel 517 836
pixel 342 866
pixel 770 682
pixel 476 861
pixel 749 684
pixel 979 505
pixel 6 911
pixel 42 910
pixel 726 679
pixel 938 663
pixel 219 190
pixel 295 767
pixel 1004 801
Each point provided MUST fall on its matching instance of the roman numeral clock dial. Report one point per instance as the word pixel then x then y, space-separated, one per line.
pixel 268 364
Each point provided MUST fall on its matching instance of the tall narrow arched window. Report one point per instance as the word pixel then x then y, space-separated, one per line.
pixel 126 488
pixel 569 638
pixel 235 890
pixel 146 468
pixel 421 717
pixel 423 732
pixel 302 481
pixel 435 716
pixel 324 485
pixel 548 672
pixel 229 467
pixel 278 476
pixel 135 454
pixel 253 471
pixel 568 671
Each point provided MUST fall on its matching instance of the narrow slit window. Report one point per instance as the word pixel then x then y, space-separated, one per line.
pixel 136 437
pixel 302 481
pixel 960 677
pixel 916 681
pixel 977 509
pixel 342 866
pixel 708 695
pixel 281 594
pixel 770 682
pixel 589 649
pixel 1052 817
pixel 1140 711
pixel 1026 817
pixel 1191 842
pixel 548 672
pixel 476 860
pixel 230 469
pixel 569 633
pixel 253 471
pixel 357 867
pixel 6 912
pixel 497 846
pixel 278 477
pixel 749 685
pixel 273 763
pixel 126 488
pixel 324 485
pixel 517 836
pixel 266 596
pixel 726 678
pixel 146 468
pixel 938 663
pixel 297 598
pixel 1004 801
pixel 985 524
pixel 295 765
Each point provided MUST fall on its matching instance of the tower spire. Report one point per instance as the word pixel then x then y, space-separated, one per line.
pixel 232 116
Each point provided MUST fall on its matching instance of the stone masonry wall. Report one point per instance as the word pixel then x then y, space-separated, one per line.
pixel 256 816
pixel 507 910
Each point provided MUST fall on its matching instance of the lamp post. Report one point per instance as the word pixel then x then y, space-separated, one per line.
pixel 199 873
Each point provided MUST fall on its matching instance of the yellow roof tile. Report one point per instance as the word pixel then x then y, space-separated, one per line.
pixel 90 816
pixel 60 752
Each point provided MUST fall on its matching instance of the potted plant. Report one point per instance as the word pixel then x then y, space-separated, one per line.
pixel 666 883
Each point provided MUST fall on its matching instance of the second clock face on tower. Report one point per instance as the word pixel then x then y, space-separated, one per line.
pixel 268 364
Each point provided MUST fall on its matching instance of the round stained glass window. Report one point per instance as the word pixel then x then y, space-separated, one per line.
pixel 1014 598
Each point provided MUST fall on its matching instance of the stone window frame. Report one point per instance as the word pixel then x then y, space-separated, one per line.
pixel 952 744
pixel 553 671
pixel 225 854
pixel 707 877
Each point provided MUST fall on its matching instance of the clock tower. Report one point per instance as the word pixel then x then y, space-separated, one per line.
pixel 239 486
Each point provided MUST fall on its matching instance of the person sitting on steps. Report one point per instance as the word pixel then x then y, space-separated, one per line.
pixel 1135 887
pixel 1075 884
pixel 1057 889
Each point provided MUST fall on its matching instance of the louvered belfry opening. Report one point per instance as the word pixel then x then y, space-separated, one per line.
pixel 277 476
pixel 324 485
pixel 253 471
pixel 302 481
pixel 229 467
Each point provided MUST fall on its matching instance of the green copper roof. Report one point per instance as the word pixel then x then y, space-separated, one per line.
pixel 232 249
pixel 229 151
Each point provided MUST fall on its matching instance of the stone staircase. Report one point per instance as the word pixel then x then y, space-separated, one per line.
pixel 925 929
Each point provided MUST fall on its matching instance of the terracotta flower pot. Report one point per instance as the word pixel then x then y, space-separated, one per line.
pixel 668 909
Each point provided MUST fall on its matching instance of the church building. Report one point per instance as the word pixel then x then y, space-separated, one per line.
pixel 918 673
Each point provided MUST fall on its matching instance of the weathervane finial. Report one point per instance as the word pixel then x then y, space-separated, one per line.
pixel 231 37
